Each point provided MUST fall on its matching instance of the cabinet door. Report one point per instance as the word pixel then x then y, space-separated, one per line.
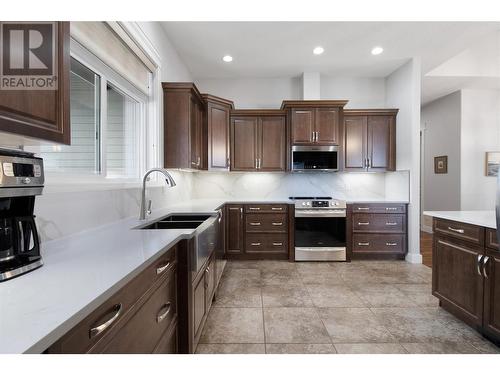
pixel 199 306
pixel 210 282
pixel 455 278
pixel 355 142
pixel 218 136
pixel 327 126
pixel 244 143
pixel 195 134
pixel 381 142
pixel 491 320
pixel 272 144
pixel 234 229
pixel 42 114
pixel 302 125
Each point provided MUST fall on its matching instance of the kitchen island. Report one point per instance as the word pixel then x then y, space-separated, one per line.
pixel 466 268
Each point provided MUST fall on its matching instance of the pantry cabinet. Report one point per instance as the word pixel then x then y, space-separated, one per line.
pixel 42 114
pixel 370 140
pixel 258 140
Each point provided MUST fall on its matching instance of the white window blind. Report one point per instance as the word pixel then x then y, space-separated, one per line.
pixel 100 39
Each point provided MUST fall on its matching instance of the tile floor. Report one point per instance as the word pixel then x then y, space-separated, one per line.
pixel 359 307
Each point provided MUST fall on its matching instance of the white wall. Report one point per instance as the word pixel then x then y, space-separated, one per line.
pixel 402 91
pixel 253 92
pixel 480 133
pixel 440 121
pixel 361 92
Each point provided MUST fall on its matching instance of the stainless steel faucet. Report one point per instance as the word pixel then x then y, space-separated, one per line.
pixel 168 179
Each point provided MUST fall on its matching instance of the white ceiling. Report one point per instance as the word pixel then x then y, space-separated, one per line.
pixel 284 49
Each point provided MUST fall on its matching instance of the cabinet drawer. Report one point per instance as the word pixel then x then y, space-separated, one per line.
pixel 379 243
pixel 462 231
pixel 491 239
pixel 268 208
pixel 169 342
pixel 143 330
pixel 81 338
pixel 266 223
pixel 380 208
pixel 378 223
pixel 266 243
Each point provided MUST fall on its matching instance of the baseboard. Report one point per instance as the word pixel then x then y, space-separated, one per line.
pixel 414 258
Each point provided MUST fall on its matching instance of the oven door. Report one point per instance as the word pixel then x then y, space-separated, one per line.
pixel 320 238
pixel 315 158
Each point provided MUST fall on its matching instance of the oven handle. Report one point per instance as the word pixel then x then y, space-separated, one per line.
pixel 319 214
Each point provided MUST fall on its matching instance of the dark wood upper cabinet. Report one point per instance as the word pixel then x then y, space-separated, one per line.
pixel 258 140
pixel 217 118
pixel 355 134
pixel 42 114
pixel 314 122
pixel 185 132
pixel 491 317
pixel 370 139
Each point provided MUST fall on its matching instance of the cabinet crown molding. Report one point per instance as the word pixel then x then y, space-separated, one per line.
pixel 313 103
pixel 182 86
pixel 258 112
pixel 383 111
pixel 217 100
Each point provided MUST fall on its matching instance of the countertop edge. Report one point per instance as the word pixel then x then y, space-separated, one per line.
pixel 484 219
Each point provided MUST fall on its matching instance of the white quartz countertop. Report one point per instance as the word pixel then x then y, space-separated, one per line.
pixel 485 219
pixel 82 271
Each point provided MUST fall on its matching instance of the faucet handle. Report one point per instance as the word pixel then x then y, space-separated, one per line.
pixel 149 207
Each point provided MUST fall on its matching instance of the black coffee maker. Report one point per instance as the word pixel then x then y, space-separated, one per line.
pixel 21 180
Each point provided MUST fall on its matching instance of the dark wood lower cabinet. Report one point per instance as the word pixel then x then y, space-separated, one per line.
pixel 491 315
pixel 466 276
pixel 258 231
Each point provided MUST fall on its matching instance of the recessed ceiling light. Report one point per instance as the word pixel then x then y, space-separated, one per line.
pixel 227 58
pixel 318 50
pixel 377 50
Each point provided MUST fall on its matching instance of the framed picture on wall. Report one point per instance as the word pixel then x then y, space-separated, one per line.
pixel 441 164
pixel 492 163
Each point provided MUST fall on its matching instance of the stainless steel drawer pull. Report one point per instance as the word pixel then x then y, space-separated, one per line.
pixel 456 230
pixel 278 223
pixel 363 223
pixel 363 244
pixel 102 327
pixel 485 263
pixel 277 208
pixel 391 208
pixel 162 268
pixel 363 208
pixel 391 223
pixel 255 244
pixel 161 316
pixel 391 244
pixel 277 243
pixel 255 224
pixel 254 208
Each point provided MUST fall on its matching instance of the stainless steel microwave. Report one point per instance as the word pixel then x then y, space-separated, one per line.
pixel 315 158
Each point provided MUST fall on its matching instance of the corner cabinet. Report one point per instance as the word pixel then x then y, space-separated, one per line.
pixel 42 114
pixel 258 140
pixel 466 274
pixel 314 122
pixel 217 118
pixel 370 140
pixel 185 131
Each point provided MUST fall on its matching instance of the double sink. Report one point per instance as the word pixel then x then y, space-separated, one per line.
pixel 205 237
pixel 178 221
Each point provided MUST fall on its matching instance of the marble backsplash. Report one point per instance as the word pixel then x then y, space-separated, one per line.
pixel 61 212
pixel 348 186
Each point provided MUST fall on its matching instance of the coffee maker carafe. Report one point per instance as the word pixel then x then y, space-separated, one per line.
pixel 21 180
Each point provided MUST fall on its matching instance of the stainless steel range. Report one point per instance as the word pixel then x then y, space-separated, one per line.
pixel 320 229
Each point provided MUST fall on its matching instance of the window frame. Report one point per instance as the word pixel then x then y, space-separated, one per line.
pixel 109 76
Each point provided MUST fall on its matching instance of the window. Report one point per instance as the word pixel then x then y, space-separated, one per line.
pixel 107 126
